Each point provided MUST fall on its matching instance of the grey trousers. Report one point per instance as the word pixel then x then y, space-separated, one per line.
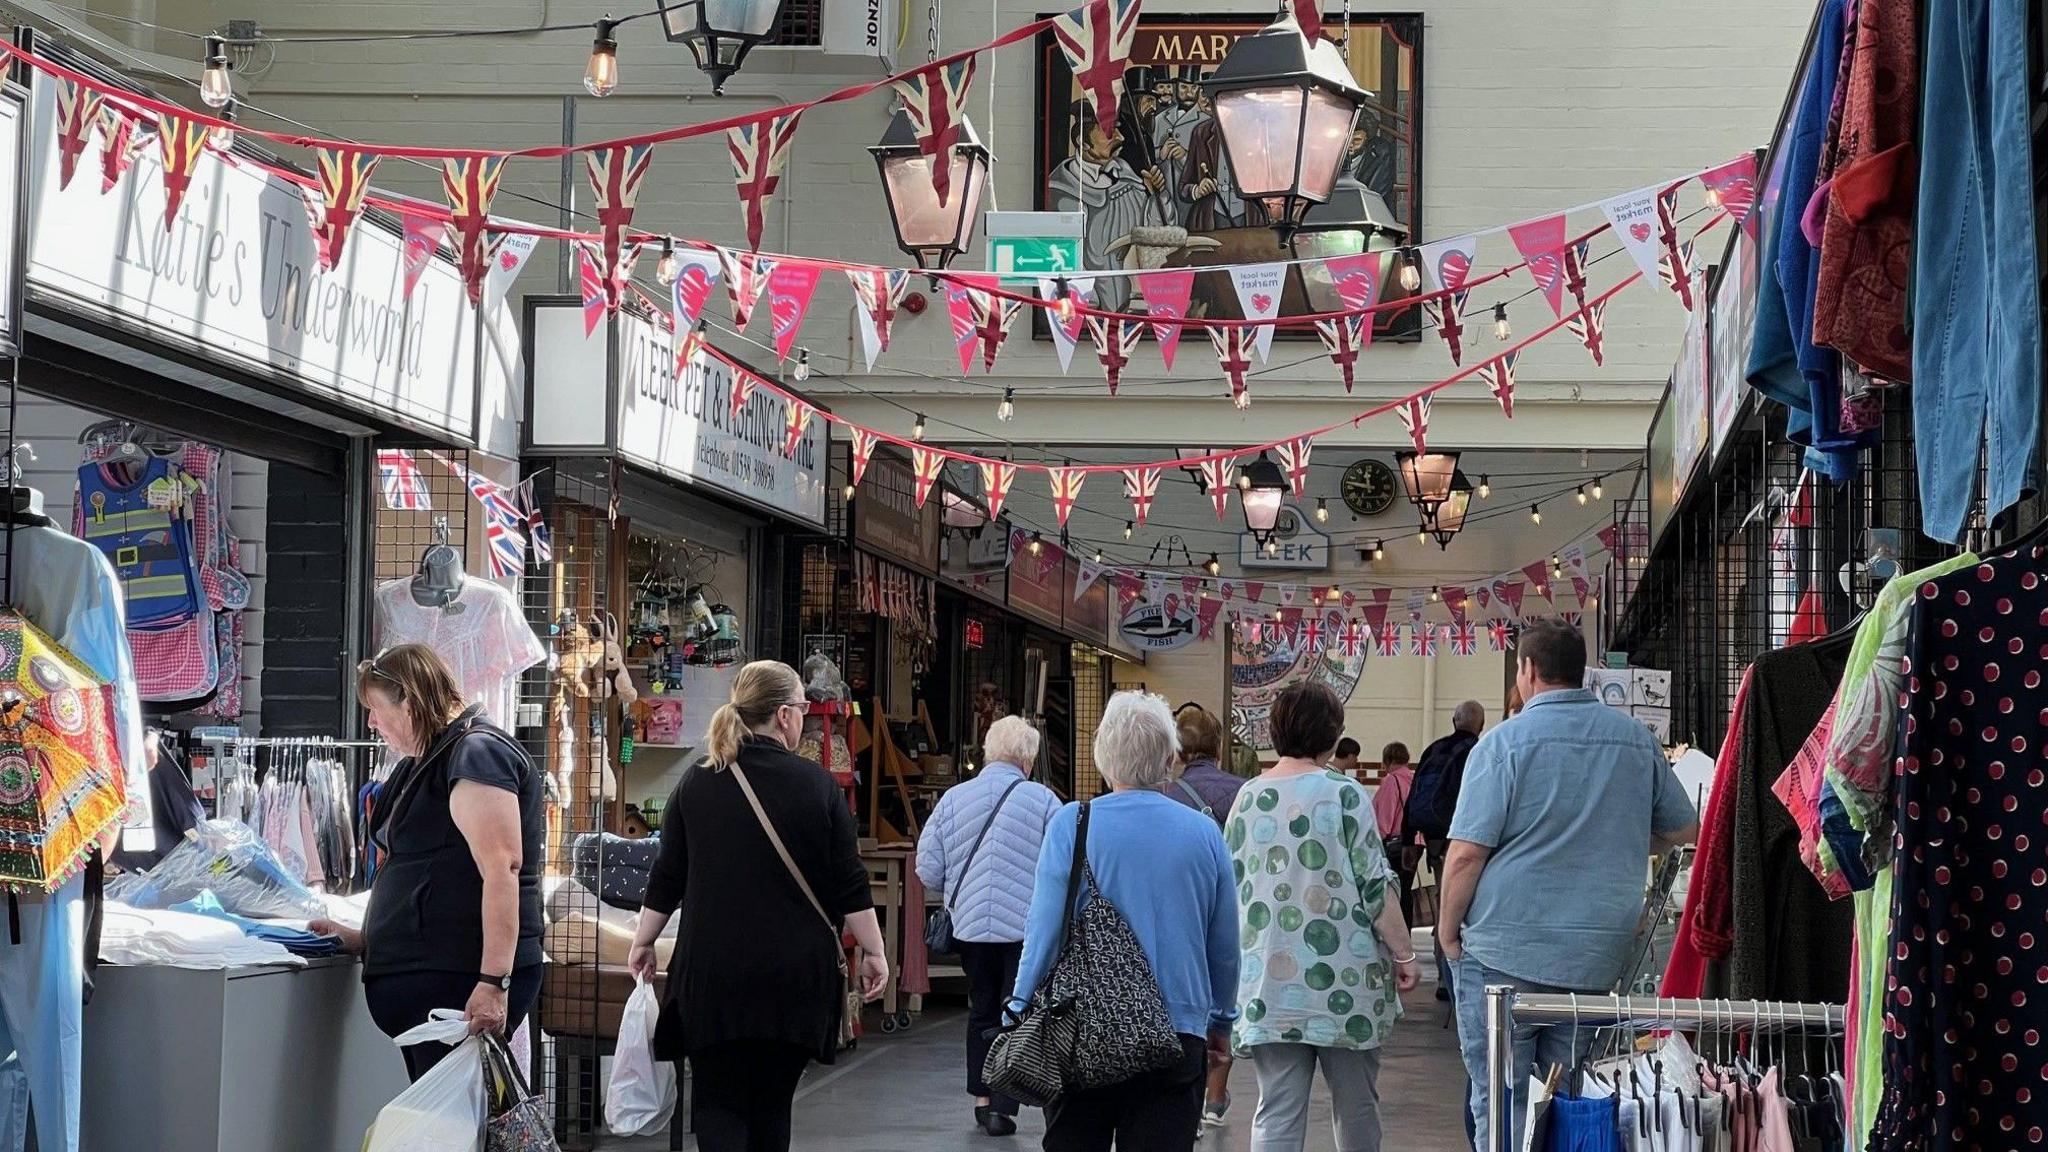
pixel 1286 1076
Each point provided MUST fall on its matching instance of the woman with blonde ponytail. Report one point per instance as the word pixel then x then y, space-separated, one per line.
pixel 760 854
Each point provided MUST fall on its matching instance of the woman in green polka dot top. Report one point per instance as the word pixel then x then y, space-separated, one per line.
pixel 1326 950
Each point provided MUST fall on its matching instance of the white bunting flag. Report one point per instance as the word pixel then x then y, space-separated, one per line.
pixel 513 250
pixel 1085 578
pixel 1634 217
pixel 1065 336
pixel 1449 262
pixel 1258 297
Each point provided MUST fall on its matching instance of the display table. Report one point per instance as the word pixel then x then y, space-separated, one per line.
pixel 178 1060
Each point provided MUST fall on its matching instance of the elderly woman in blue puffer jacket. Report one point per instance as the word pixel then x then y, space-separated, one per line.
pixel 988 889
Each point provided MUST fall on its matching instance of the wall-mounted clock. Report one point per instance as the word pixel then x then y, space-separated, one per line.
pixel 1369 487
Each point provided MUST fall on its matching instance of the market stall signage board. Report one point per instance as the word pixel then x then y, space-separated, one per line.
pixel 234 279
pixel 1732 318
pixel 1689 408
pixel 887 520
pixel 1038 587
pixel 1302 546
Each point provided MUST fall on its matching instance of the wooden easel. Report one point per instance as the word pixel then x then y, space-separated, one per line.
pixel 887 759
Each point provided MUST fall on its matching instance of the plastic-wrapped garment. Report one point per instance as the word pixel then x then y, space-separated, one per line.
pixel 241 870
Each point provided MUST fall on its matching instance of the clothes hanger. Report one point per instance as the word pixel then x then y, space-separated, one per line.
pixel 24 504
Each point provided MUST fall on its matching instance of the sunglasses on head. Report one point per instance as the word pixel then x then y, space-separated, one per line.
pixel 372 667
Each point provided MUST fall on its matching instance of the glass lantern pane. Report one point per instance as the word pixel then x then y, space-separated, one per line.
pixel 1315 277
pixel 1262 509
pixel 1261 130
pixel 921 220
pixel 748 17
pixel 1450 516
pixel 1325 137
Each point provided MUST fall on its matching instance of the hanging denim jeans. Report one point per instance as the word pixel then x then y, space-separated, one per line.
pixel 42 987
pixel 1976 302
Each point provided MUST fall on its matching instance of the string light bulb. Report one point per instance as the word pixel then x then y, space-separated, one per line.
pixel 1597 494
pixel 1713 196
pixel 1214 565
pixel 1434 595
pixel 1007 410
pixel 1098 555
pixel 1501 330
pixel 802 372
pixel 1037 544
pixel 1411 272
pixel 1582 495
pixel 1379 550
pixel 1273 547
pixel 1322 510
pixel 1333 595
pixel 215 90
pixel 847 492
pixel 1555 566
pixel 1485 486
pixel 1536 514
pixel 669 269
pixel 917 429
pixel 601 75
pixel 1062 301
pixel 1242 399
pixel 1129 527
pixel 222 136
pixel 1422 536
pixel 1244 481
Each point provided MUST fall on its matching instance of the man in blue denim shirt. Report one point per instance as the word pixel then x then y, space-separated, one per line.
pixel 1543 884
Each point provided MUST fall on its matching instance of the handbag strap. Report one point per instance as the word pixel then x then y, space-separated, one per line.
pixel 985 826
pixel 739 776
pixel 1074 875
pixel 1200 804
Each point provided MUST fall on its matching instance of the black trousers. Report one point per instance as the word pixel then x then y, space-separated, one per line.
pixel 991 974
pixel 1157 1112
pixel 400 1001
pixel 740 1095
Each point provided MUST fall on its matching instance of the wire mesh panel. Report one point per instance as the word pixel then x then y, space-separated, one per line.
pixel 402 535
pixel 1091 695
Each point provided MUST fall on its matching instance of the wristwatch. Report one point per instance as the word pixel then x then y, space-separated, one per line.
pixel 502 983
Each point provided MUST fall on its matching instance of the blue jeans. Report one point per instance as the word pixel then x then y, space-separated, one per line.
pixel 1534 1046
pixel 1976 303
pixel 42 1009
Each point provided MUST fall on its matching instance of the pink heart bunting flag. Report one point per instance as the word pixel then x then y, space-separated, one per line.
pixel 1357 279
pixel 1541 243
pixel 1166 301
pixel 790 288
pixel 422 240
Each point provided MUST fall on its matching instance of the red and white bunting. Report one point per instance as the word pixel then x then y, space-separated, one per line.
pixel 1454 602
pixel 993 326
pixel 616 175
pixel 1258 298
pixel 1425 638
pixel 1294 461
pixel 1538 578
pixel 1351 638
pixel 790 288
pixel 1065 335
pixel 1166 301
pixel 697 274
pixel 1140 486
pixel 934 100
pixel 78 109
pixel 1216 475
pixel 1499 374
pixel 864 443
pixel 1414 413
pixel 1205 617
pixel 1310 635
pixel 1483 593
pixel 1066 488
pixel 1590 327
pixel 1667 234
pixel 1509 593
pixel 879 292
pixel 117 144
pixel 796 422
pixel 1732 186
pixel 1681 282
pixel 1115 340
pixel 1541 243
pixel 743 383
pixel 512 250
pixel 1096 39
pixel 1447 313
pixel 1633 218
pixel 1464 638
pixel 470 183
pixel 1287 594
pixel 746 277
pixel 759 150
pixel 1387 639
pixel 1575 272
pixel 422 240
pixel 1233 356
pixel 1449 262
pixel 590 280
pixel 965 303
pixel 181 141
pixel 1086 577
pixel 1418 603
pixel 1254 590
pixel 1357 279
pixel 926 463
pixel 996 478
pixel 1345 337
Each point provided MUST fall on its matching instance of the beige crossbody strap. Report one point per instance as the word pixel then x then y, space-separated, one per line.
pixel 761 814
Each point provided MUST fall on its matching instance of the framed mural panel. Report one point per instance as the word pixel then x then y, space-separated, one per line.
pixel 1155 187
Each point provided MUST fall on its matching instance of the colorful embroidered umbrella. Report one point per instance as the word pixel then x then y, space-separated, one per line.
pixel 60 766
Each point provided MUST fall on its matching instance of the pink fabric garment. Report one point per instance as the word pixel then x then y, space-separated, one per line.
pixel 915 978
pixel 1775 1133
pixel 1798 789
pixel 1708 921
pixel 1390 802
pixel 308 839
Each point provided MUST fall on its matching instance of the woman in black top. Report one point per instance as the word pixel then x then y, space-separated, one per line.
pixel 754 988
pixel 454 918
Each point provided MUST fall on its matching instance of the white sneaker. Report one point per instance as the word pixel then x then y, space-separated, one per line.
pixel 1213 1110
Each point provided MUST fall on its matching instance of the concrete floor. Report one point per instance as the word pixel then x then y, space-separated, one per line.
pixel 903 1093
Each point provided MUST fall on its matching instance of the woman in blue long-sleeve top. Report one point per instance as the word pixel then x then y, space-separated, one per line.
pixel 1163 865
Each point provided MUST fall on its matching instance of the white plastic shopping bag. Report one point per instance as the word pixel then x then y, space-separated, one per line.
pixel 445 1110
pixel 642 1092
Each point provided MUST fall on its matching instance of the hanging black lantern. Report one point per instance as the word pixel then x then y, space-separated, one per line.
pixel 1263 487
pixel 931 232
pixel 719 33
pixel 1347 224
pixel 1285 106
pixel 1427 477
pixel 1449 518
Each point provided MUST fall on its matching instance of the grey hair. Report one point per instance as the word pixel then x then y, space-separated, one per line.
pixel 1010 740
pixel 1136 744
pixel 1469 716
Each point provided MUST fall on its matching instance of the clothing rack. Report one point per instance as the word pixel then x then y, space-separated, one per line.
pixel 1506 1007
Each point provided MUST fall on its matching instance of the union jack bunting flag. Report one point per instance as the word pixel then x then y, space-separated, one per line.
pixel 1066 488
pixel 1497 636
pixel 1114 341
pixel 1096 39
pixel 117 144
pixel 1351 638
pixel 1446 312
pixel 590 280
pixel 1499 374
pixel 344 181
pixel 1669 272
pixel 1573 619
pixel 746 277
pixel 966 301
pixel 1140 486
pixel 996 478
pixel 405 490
pixel 470 183
pixel 615 175
pixel 742 391
pixel 759 152
pixel 1732 187
pixel 504 522
pixel 1294 461
pixel 992 325
pixel 1424 639
pixel 1387 640
pixel 863 451
pixel 1575 272
pixel 1345 337
pixel 935 99
pixel 180 142
pixel 1414 413
pixel 797 421
pixel 537 533
pixel 1588 325
pixel 880 292
pixel 1675 258
pixel 1216 475
pixel 926 463
pixel 78 109
pixel 1234 345
pixel 1465 638
pixel 1311 635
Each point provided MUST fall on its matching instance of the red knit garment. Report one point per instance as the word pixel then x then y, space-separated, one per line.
pixel 1706 929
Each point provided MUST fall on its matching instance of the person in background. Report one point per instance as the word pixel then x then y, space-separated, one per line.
pixel 1163 866
pixel 754 990
pixel 1543 882
pixel 1345 758
pixel 1326 949
pixel 454 919
pixel 1390 807
pixel 977 853
pixel 1204 785
pixel 1433 798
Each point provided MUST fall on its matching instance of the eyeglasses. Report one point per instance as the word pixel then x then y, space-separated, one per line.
pixel 371 667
